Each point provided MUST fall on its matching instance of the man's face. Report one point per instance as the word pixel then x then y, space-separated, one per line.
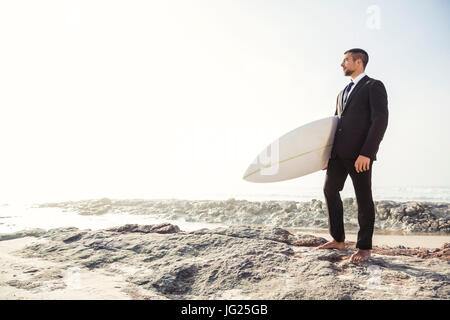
pixel 348 64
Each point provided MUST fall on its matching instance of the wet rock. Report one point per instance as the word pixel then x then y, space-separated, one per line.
pixel 441 253
pixel 177 279
pixel 159 228
pixel 20 234
pixel 258 262
pixel 308 241
pixel 74 237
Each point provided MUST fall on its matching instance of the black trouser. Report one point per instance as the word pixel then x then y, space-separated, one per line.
pixel 337 172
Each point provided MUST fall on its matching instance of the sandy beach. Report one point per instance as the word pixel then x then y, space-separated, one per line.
pixel 238 262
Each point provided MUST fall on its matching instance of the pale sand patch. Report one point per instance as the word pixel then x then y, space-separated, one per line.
pixel 33 278
pixel 386 239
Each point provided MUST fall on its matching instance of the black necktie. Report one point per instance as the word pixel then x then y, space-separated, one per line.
pixel 347 90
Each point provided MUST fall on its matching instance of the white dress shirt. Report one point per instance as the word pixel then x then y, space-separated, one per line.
pixel 355 82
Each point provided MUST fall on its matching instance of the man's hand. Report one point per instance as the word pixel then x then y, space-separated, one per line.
pixel 362 164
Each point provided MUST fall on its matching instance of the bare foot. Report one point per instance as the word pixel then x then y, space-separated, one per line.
pixel 360 256
pixel 333 244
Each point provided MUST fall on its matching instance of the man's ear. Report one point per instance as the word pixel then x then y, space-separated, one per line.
pixel 362 64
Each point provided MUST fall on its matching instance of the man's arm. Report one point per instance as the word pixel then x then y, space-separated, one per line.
pixel 378 119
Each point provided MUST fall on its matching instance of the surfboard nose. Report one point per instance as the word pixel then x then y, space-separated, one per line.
pixel 259 173
pixel 247 176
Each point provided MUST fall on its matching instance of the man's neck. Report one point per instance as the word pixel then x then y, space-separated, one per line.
pixel 355 75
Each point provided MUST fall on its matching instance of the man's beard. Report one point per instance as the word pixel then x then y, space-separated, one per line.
pixel 349 72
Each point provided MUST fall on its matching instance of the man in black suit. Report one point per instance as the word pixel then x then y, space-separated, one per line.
pixel 362 109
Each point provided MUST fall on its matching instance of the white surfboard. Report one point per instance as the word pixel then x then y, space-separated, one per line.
pixel 297 153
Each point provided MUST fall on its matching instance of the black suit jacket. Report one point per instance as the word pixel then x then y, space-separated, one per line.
pixel 363 121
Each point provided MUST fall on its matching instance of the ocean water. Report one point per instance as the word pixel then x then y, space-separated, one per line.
pixel 400 194
pixel 18 217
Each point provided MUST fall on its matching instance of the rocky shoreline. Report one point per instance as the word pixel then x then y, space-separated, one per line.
pixel 408 217
pixel 238 262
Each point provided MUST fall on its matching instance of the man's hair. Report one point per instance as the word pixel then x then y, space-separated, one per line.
pixel 359 54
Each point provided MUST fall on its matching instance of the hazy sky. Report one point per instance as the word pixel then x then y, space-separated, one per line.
pixel 141 98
